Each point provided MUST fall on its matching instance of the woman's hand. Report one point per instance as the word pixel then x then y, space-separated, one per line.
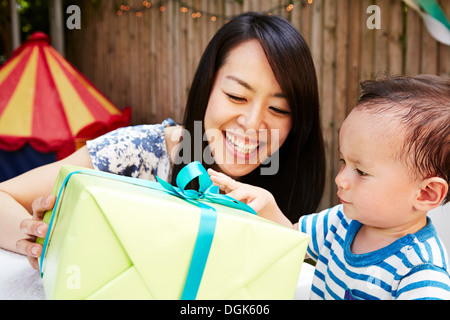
pixel 259 199
pixel 34 228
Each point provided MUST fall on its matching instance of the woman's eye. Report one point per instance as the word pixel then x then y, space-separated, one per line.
pixel 280 111
pixel 235 98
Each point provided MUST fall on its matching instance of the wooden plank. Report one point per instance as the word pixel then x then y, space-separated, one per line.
pixel 341 85
pixel 381 63
pixel 164 108
pixel 328 87
pixel 316 40
pixel 428 52
pixel 108 35
pixel 306 20
pixel 168 65
pixel 158 66
pixel 145 62
pixel 176 64
pixel 228 8
pixel 413 43
pixel 367 44
pixel 296 16
pixel 133 61
pixel 246 5
pixel 444 50
pixel 395 43
pixel 354 54
pixel 183 65
pixel 121 63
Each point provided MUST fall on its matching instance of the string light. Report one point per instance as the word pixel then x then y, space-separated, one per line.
pixel 195 12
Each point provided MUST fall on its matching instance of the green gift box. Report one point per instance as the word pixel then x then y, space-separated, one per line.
pixel 112 237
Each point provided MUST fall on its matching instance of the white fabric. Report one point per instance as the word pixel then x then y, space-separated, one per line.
pixel 19 281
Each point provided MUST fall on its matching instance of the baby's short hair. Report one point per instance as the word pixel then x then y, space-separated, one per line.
pixel 420 106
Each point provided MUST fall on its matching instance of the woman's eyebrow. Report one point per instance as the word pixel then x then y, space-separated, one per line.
pixel 241 82
pixel 249 87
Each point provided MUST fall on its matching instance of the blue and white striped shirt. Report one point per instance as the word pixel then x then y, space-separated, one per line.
pixel 413 267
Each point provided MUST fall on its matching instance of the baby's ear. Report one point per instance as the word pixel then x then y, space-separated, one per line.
pixel 431 194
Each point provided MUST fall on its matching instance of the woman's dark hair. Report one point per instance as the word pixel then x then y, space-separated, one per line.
pixel 298 185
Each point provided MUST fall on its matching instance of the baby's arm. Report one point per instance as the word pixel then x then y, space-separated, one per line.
pixel 260 200
pixel 425 282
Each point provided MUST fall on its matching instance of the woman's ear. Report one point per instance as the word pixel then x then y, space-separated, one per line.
pixel 431 193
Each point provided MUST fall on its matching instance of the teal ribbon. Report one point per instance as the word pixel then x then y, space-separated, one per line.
pixel 208 215
pixel 208 219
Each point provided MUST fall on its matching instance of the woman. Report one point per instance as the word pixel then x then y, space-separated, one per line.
pixel 253 105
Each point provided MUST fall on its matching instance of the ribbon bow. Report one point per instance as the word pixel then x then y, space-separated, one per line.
pixel 206 191
pixel 208 219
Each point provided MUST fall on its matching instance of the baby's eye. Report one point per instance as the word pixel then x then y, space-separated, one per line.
pixel 361 173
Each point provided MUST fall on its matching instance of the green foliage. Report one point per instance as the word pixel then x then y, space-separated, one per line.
pixel 3 11
pixel 96 3
pixel 34 16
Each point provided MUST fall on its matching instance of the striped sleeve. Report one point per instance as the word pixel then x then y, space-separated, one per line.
pixel 317 225
pixel 425 282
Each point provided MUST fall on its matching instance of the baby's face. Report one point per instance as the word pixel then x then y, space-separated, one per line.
pixel 373 184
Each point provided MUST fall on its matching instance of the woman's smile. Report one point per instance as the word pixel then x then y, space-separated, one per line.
pixel 241 146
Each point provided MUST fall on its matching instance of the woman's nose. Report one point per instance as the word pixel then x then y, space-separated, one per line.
pixel 252 117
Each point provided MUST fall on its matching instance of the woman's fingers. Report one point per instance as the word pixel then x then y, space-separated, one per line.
pixel 34 228
pixel 254 197
pixel 224 182
pixel 33 262
pixel 31 249
pixel 241 194
pixel 41 205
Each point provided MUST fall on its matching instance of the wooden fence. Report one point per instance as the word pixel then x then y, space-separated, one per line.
pixel 144 53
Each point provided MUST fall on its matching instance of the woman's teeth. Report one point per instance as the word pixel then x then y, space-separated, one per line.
pixel 240 146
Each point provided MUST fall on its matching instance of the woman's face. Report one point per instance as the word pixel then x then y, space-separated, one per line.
pixel 247 118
